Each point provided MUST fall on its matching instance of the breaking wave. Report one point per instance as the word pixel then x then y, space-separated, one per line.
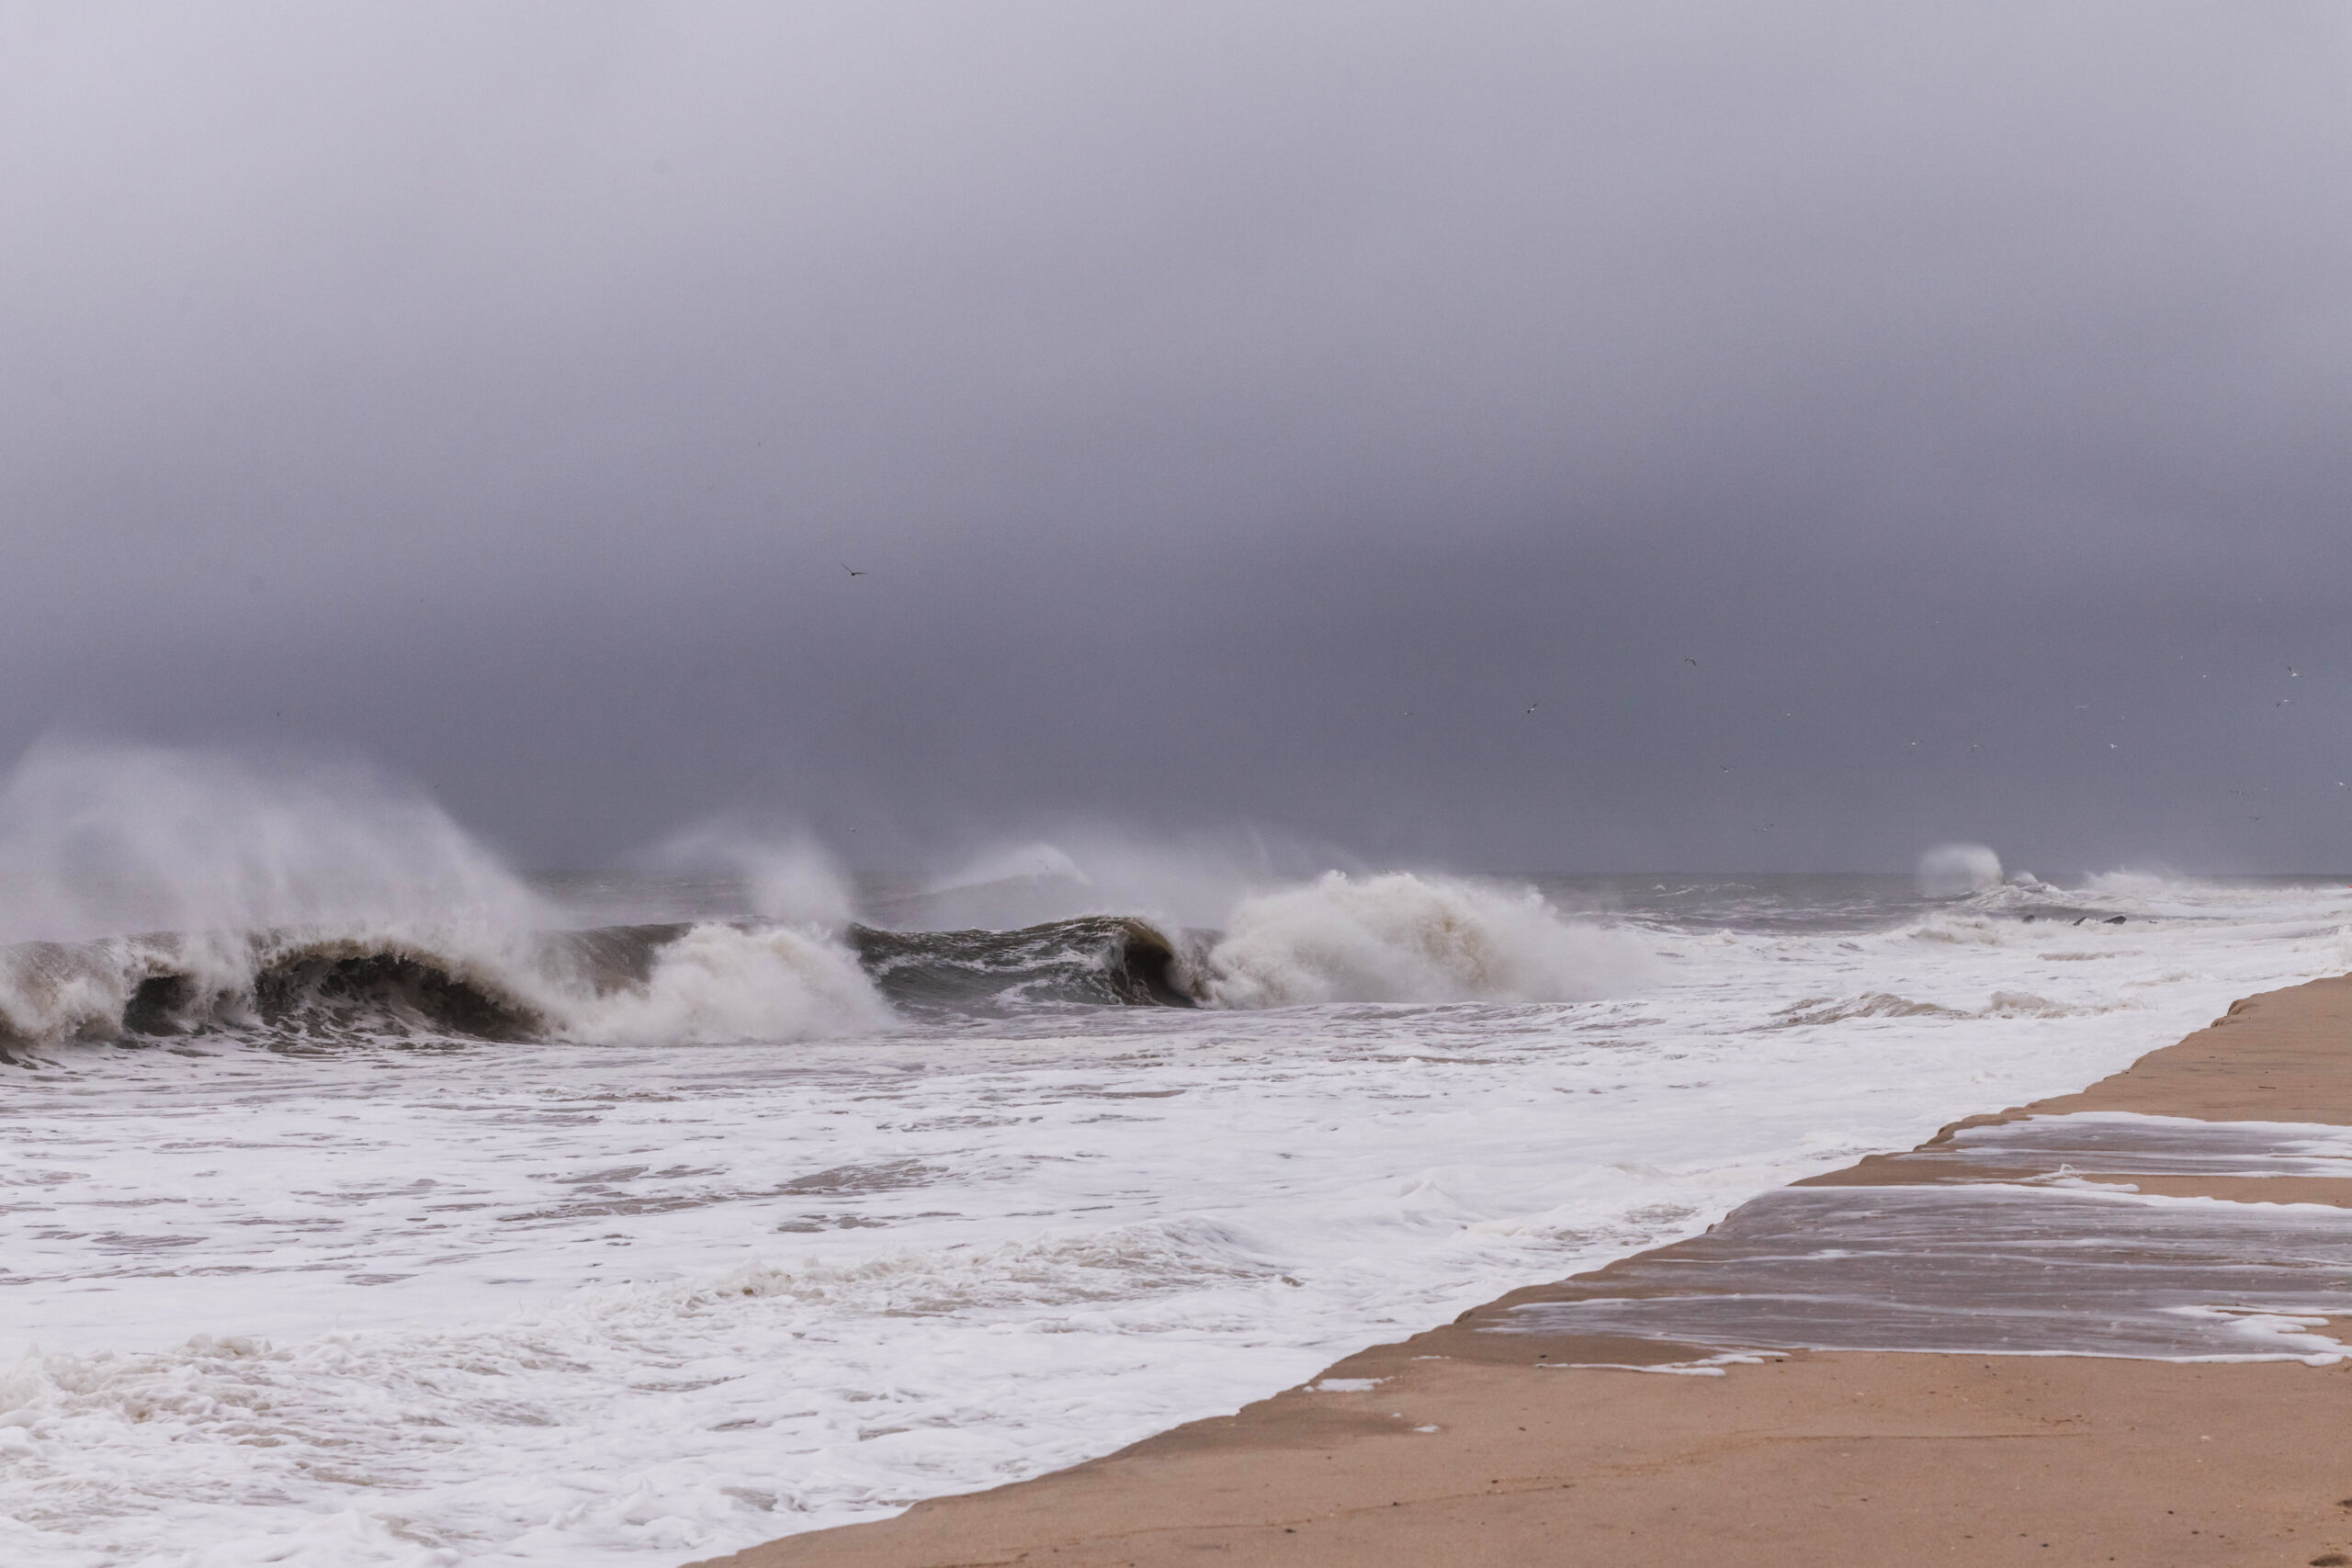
pixel 293 901
pixel 625 985
pixel 1404 938
pixel 709 981
pixel 1395 938
pixel 1096 959
pixel 719 982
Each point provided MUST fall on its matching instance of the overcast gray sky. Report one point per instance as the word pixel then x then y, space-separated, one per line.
pixel 1527 436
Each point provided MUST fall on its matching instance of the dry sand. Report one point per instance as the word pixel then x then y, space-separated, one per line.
pixel 1480 1446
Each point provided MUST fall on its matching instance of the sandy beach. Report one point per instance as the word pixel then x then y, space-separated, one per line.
pixel 2085 1267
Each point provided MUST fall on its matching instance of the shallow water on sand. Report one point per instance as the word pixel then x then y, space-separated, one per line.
pixel 2022 1254
pixel 420 1300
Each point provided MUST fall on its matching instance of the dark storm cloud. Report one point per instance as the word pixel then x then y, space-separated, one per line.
pixel 1240 412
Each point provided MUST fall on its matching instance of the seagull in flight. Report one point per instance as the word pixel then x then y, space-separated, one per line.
pixel 850 569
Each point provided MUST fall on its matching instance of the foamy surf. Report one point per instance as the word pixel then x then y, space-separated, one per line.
pixel 552 1302
pixel 720 983
pixel 1403 938
pixel 1397 938
pixel 628 985
pixel 459 1225
pixel 308 898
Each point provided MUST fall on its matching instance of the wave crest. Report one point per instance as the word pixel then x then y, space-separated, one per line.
pixel 620 984
pixel 719 983
pixel 1399 937
pixel 644 985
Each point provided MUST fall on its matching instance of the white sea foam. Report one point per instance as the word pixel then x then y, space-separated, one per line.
pixel 1403 938
pixel 719 983
pixel 560 1302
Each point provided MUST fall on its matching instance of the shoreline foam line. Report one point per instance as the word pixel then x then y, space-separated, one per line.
pixel 2129 1296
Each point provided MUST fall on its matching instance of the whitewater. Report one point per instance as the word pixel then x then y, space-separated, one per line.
pixel 363 1203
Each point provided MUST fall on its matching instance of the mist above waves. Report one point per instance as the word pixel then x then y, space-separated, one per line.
pixel 156 892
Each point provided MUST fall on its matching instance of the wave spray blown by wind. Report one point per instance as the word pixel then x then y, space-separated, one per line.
pixel 1954 871
pixel 155 893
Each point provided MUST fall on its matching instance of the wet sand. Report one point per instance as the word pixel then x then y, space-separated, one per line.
pixel 1522 1433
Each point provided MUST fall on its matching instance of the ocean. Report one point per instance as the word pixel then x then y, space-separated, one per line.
pixel 635 1218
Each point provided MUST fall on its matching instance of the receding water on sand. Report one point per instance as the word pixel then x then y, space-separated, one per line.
pixel 2022 1238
